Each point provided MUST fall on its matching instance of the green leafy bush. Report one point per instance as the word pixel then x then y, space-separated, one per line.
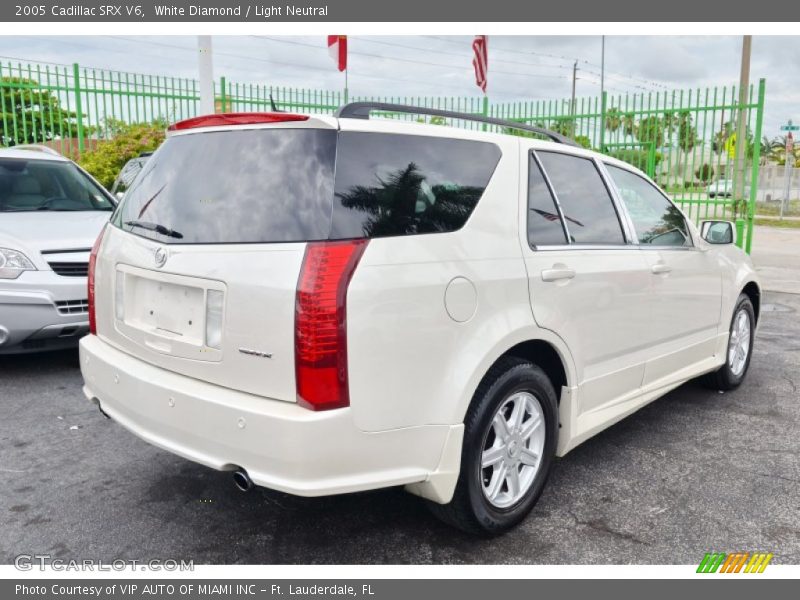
pixel 125 142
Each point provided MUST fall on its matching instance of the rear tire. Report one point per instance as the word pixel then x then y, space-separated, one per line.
pixel 739 351
pixel 506 456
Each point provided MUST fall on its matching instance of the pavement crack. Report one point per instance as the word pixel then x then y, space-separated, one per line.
pixel 602 526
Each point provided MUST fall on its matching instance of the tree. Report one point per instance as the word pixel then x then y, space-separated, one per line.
pixel 705 173
pixel 106 160
pixel 30 114
pixel 651 130
pixel 687 133
pixel 613 120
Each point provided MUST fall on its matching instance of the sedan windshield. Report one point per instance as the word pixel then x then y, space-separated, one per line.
pixel 31 185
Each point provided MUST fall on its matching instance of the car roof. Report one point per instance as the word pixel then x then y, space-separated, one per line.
pixel 407 126
pixel 31 154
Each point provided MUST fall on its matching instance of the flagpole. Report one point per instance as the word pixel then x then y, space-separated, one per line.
pixel 346 93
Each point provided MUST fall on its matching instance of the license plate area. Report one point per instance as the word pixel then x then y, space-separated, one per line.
pixel 163 312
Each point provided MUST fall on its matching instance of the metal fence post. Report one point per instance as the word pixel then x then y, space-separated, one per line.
pixel 603 100
pixel 751 205
pixel 76 76
pixel 223 100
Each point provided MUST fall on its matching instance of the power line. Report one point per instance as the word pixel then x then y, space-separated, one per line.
pixel 302 66
pixel 405 60
pixel 559 57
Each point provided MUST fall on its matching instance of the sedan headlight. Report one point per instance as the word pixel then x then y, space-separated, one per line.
pixel 12 263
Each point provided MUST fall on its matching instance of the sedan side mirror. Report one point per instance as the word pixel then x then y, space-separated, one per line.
pixel 717 232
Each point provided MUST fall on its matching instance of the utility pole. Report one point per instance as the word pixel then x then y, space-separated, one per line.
pixel 572 107
pixel 787 170
pixel 741 125
pixel 602 64
pixel 206 68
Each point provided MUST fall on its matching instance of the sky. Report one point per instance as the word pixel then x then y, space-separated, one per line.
pixel 520 67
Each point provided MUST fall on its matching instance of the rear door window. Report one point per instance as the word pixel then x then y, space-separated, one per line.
pixel 584 199
pixel 391 185
pixel 544 222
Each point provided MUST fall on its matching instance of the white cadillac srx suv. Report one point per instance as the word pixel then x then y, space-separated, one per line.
pixel 331 304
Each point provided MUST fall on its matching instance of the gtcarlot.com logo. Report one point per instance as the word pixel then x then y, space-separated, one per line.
pixel 737 562
pixel 28 562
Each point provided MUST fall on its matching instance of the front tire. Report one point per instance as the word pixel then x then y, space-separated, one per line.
pixel 510 435
pixel 740 348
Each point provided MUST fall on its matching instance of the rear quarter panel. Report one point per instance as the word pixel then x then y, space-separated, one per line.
pixel 410 363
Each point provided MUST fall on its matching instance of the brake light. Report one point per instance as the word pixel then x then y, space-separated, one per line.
pixel 90 281
pixel 321 323
pixel 245 118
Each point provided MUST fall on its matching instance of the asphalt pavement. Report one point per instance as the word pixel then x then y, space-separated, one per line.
pixel 694 472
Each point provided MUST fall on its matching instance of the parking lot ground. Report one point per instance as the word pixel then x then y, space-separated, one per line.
pixel 693 472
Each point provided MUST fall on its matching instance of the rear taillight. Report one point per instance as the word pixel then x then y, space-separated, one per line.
pixel 321 323
pixel 92 264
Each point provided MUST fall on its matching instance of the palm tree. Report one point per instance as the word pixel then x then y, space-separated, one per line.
pixel 400 204
pixel 765 149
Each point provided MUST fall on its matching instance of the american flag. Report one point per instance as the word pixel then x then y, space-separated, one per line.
pixel 481 61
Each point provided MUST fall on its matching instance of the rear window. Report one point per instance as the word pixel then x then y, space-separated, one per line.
pixel 290 185
pixel 251 185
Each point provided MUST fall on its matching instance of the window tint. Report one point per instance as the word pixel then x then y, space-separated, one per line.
pixel 38 185
pixel 279 185
pixel 248 185
pixel 588 210
pixel 389 185
pixel 544 222
pixel 655 219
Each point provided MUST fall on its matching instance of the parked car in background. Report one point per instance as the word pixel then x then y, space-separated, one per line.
pixel 722 188
pixel 51 212
pixel 128 173
pixel 328 304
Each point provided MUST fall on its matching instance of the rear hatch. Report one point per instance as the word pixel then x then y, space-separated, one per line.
pixel 199 269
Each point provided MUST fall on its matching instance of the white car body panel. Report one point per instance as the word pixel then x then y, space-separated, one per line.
pixel 427 316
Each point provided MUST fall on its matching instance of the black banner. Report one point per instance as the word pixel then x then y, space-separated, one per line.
pixel 731 588
pixel 405 11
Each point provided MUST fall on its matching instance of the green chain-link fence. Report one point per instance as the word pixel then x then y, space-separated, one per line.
pixel 684 139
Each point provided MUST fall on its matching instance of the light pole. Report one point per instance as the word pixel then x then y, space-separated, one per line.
pixel 205 66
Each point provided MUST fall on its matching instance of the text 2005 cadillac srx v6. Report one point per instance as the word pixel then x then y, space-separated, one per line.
pixel 330 304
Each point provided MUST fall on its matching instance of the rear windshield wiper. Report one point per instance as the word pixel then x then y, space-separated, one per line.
pixel 155 227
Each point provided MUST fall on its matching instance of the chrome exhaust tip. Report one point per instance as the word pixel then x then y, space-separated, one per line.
pixel 242 480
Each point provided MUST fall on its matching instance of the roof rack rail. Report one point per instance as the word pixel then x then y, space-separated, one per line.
pixel 362 110
pixel 37 148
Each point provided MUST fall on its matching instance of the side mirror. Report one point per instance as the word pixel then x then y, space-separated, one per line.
pixel 717 232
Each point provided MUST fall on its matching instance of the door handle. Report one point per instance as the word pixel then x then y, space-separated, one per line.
pixel 557 274
pixel 660 268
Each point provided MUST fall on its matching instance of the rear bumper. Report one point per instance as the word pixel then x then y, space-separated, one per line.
pixel 281 445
